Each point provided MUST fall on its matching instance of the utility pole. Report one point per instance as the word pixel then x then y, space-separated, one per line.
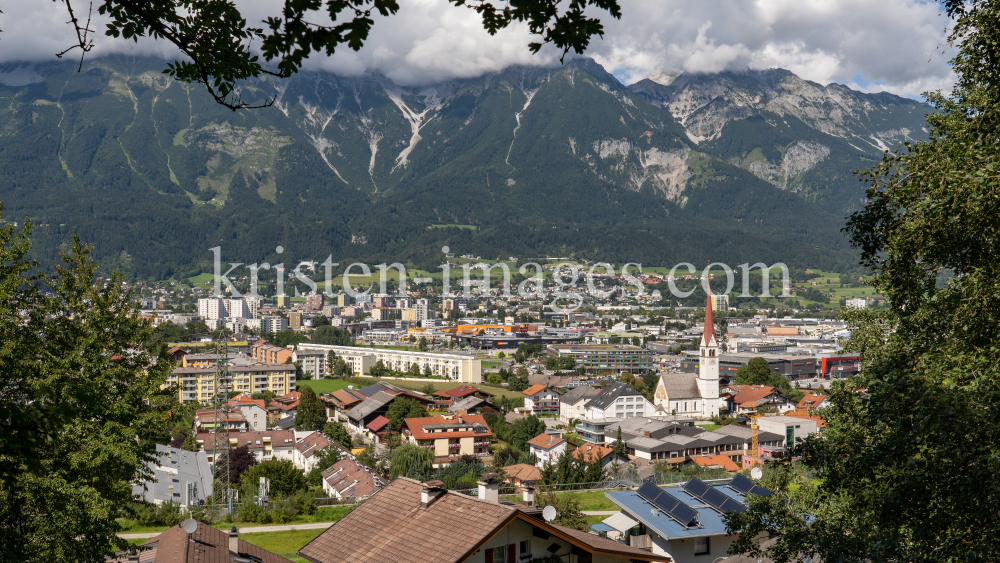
pixel 221 406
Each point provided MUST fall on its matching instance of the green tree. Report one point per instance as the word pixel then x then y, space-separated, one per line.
pixel 331 363
pixel 378 370
pixel 427 371
pixel 524 430
pixel 325 459
pixel 328 334
pixel 310 414
pixel 79 411
pixel 411 460
pixel 336 432
pixel 618 446
pixel 568 511
pixel 401 409
pixel 190 444
pixel 494 378
pixel 413 371
pixel 423 344
pixel 288 337
pixel 909 456
pixel 286 479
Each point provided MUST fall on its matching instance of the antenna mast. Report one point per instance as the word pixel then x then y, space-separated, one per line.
pixel 221 407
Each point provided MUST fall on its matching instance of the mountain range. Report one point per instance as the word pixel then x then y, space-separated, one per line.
pixel 730 167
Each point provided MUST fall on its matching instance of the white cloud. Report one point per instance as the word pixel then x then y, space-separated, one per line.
pixel 893 45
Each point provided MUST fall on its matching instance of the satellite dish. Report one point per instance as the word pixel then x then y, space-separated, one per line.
pixel 756 473
pixel 190 525
pixel 549 513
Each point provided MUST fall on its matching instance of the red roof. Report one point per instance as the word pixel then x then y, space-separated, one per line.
pixel 546 441
pixel 534 389
pixel 708 334
pixel 378 423
pixel 750 394
pixel 587 452
pixel 715 461
pixel 462 425
pixel 811 400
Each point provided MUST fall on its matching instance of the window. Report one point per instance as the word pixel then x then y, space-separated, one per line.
pixel 525 550
pixel 701 546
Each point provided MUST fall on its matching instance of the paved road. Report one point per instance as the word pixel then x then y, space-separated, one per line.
pixel 248 530
pixel 599 512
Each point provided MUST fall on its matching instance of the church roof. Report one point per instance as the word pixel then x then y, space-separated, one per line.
pixel 679 386
pixel 708 334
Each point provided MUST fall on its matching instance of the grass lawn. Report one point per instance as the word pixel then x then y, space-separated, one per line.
pixel 710 426
pixel 321 386
pixel 595 519
pixel 323 514
pixel 285 544
pixel 591 500
pixel 200 279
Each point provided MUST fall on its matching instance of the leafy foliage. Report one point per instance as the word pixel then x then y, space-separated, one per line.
pixel 240 459
pixel 411 460
pixel 336 432
pixel 909 457
pixel 401 409
pixel 286 479
pixel 310 414
pixel 79 407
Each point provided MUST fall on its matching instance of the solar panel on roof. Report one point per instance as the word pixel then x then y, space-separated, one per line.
pixel 760 491
pixel 731 504
pixel 666 501
pixel 741 483
pixel 696 486
pixel 684 514
pixel 648 491
pixel 714 497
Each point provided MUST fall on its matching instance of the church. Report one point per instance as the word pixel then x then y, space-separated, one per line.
pixel 689 394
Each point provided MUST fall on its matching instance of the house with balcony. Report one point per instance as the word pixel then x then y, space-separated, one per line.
pixel 270 444
pixel 547 448
pixel 618 400
pixel 572 404
pixel 450 436
pixel 539 399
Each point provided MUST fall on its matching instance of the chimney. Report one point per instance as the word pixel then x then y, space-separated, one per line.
pixel 489 488
pixel 528 493
pixel 234 538
pixel 430 491
pixel 645 434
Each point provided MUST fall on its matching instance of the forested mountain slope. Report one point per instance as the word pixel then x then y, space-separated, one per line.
pixel 558 161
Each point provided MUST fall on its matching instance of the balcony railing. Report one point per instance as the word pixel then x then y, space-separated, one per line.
pixel 454 446
pixel 480 444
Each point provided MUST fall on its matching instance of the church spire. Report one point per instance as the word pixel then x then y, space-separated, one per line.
pixel 708 334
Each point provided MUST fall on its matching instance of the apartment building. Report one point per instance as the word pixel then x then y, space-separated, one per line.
pixel 457 367
pixel 267 353
pixel 603 359
pixel 450 436
pixel 313 362
pixel 270 444
pixel 198 384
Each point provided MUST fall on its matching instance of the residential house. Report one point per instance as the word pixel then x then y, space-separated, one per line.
pixel 449 436
pixel 205 544
pixel 675 443
pixel 539 399
pixel 253 410
pixel 376 405
pixel 313 362
pixel 571 404
pixel 587 453
pixel 746 399
pixel 205 421
pixel 686 523
pixel 792 429
pixel 420 522
pixel 618 400
pixel 308 446
pixel 270 444
pixel 812 401
pixel 462 392
pixel 285 405
pixel 522 474
pixel 348 479
pixel 473 404
pixel 547 448
pixel 179 476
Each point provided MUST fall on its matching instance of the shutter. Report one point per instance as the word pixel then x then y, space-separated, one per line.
pixel 512 553
pixel 489 555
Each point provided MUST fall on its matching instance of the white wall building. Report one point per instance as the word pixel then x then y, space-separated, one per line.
pixel 457 367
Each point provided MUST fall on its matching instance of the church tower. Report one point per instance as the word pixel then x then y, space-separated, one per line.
pixel 708 364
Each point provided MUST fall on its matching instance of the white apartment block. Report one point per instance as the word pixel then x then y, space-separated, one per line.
pixel 457 367
pixel 423 307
